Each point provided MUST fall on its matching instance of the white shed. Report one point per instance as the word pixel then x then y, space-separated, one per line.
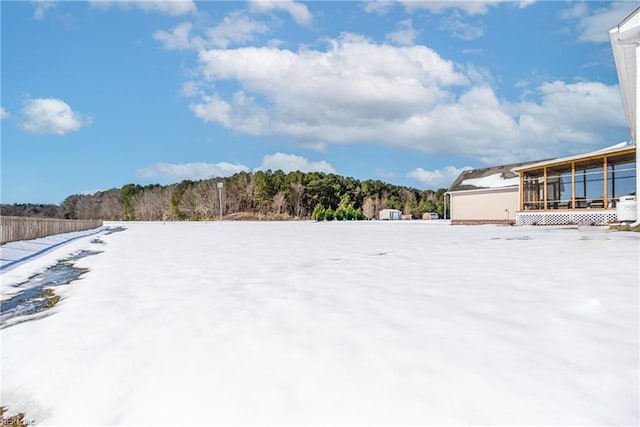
pixel 390 214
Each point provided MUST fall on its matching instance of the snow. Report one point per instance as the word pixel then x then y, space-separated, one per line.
pixel 356 323
pixel 20 260
pixel 623 144
pixel 492 181
pixel 14 253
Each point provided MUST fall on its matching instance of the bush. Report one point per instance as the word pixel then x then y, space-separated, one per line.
pixel 329 214
pixel 319 213
pixel 345 211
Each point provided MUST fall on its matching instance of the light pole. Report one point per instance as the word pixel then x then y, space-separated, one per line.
pixel 220 185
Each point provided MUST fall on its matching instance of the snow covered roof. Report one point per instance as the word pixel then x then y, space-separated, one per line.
pixel 624 40
pixel 495 177
pixel 496 180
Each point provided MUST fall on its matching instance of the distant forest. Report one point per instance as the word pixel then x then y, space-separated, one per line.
pixel 259 195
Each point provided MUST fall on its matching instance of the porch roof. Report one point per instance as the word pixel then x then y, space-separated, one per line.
pixel 615 150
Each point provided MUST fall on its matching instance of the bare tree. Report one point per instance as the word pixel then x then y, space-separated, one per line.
pixel 143 205
pixel 209 194
pixel 202 200
pixel 369 207
pixel 408 199
pixel 111 206
pixel 188 202
pixel 87 207
pixel 152 204
pixel 238 193
pixel 279 202
pixel 297 194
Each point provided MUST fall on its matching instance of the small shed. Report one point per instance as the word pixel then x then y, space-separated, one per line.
pixel 390 214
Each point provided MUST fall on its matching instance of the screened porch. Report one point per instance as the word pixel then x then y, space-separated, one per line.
pixel 595 181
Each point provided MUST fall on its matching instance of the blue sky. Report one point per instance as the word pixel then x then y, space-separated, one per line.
pixel 99 94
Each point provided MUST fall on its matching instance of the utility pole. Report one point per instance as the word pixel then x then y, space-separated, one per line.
pixel 220 185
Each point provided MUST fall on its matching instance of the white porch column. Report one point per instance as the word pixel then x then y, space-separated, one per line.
pixel 637 120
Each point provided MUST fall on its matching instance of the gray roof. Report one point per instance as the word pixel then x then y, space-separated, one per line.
pixel 504 171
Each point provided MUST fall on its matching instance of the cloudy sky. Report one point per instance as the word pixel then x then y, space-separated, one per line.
pixel 99 94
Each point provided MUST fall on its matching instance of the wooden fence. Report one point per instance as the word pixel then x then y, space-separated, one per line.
pixel 14 228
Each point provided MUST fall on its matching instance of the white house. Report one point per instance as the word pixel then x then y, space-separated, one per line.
pixel 485 196
pixel 582 189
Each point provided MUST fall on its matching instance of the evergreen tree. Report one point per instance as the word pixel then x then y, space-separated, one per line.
pixel 318 213
pixel 329 214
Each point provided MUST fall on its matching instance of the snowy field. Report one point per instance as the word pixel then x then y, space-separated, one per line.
pixel 334 323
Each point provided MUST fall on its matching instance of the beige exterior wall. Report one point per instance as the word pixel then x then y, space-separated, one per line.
pixel 484 205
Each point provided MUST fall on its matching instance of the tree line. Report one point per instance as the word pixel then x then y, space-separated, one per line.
pixel 245 195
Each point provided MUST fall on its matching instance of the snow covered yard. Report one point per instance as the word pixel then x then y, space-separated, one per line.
pixel 336 323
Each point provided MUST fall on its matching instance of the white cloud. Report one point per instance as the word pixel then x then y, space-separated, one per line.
pixel 572 112
pixel 405 34
pixel 357 91
pixel 475 7
pixel 594 24
pixel 164 7
pixel 458 13
pixel 476 51
pixel 479 75
pixel 242 113
pixel 51 115
pixel 353 85
pixel 291 163
pixel 275 43
pixel 378 7
pixel 298 11
pixel 41 8
pixel 440 178
pixel 522 4
pixel 319 146
pixel 172 172
pixel 213 109
pixel 179 38
pixel 189 89
pixel 575 11
pixel 385 174
pixel 460 28
pixel 236 28
pixel 4 114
